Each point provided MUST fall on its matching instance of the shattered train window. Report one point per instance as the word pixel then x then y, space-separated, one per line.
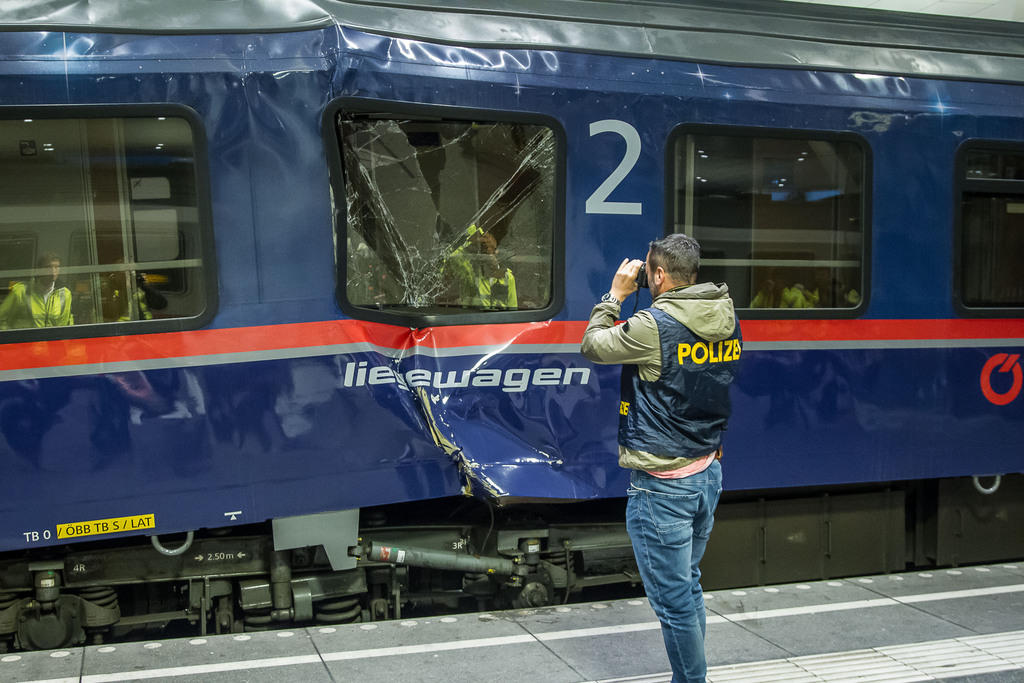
pixel 448 217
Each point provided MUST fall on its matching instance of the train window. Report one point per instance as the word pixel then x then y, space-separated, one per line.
pixel 100 223
pixel 780 218
pixel 448 218
pixel 991 239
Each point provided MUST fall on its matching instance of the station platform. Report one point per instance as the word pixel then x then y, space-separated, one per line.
pixel 959 625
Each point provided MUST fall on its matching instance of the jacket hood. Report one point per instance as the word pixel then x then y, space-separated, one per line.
pixel 705 308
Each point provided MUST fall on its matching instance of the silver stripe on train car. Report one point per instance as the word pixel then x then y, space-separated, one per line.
pixel 454 352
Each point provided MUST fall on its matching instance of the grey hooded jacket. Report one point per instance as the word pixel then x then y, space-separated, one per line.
pixel 706 309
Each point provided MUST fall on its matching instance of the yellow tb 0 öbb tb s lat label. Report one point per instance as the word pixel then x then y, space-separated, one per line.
pixel 113 525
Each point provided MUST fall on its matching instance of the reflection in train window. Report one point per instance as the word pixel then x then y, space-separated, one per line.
pixel 447 217
pixel 780 219
pixel 99 223
pixel 992 229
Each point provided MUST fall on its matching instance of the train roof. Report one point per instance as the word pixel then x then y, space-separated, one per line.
pixel 750 32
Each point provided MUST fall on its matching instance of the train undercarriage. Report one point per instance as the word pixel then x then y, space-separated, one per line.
pixel 464 555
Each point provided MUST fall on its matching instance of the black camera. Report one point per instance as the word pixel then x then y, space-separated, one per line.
pixel 641 277
pixel 499 292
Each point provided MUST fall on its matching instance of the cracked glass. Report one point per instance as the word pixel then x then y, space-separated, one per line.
pixel 447 217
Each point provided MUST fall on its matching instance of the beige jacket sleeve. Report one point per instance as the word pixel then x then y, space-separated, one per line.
pixel 635 342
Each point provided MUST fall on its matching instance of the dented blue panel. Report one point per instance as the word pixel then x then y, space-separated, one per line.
pixel 284 406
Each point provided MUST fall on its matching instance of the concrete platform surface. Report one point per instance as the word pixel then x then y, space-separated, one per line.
pixel 962 625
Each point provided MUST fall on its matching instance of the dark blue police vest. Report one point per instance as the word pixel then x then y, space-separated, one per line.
pixel 682 413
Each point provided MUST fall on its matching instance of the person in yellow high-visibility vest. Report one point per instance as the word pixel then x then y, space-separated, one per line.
pixel 118 298
pixel 477 279
pixel 41 303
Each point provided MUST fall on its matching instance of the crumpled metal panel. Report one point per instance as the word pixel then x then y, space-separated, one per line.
pixel 511 450
pixel 388 415
pixel 731 32
pixel 509 436
pixel 235 417
pixel 192 16
pixel 289 432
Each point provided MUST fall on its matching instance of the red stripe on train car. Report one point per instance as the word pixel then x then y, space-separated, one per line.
pixel 877 330
pixel 94 350
pixel 328 333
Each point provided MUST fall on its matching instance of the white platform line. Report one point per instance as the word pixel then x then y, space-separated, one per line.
pixel 665 677
pixel 197 669
pixel 599 631
pixel 966 593
pixel 795 611
pixel 877 602
pixel 810 609
pixel 428 647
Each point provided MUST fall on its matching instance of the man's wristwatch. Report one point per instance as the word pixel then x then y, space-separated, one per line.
pixel 607 298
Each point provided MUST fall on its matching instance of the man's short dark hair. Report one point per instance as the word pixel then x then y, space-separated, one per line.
pixel 46 259
pixel 678 255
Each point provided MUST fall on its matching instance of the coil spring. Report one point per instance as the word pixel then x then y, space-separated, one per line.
pixel 555 557
pixel 563 559
pixel 344 611
pixel 258 621
pixel 104 596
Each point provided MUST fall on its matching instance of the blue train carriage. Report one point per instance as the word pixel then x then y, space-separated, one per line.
pixel 297 293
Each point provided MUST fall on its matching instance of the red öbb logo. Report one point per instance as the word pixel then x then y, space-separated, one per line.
pixel 1008 363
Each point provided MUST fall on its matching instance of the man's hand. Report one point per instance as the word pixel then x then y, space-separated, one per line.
pixel 624 282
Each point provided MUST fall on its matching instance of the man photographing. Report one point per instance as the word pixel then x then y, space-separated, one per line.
pixel 679 357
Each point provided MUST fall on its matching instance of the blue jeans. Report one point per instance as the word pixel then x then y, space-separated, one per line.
pixel 669 522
